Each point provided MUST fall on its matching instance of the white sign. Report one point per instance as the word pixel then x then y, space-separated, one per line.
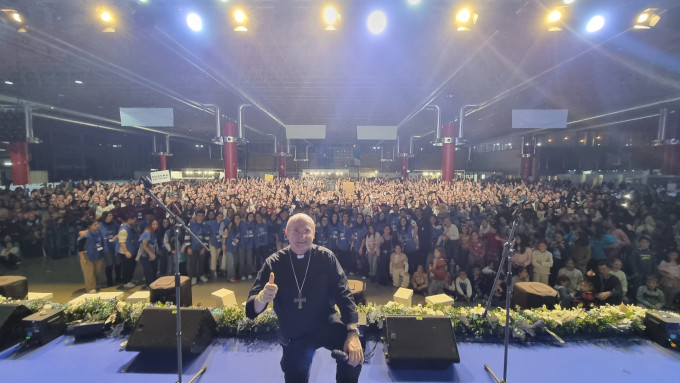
pixel 160 177
pixel 372 132
pixel 149 117
pixel 306 132
pixel 539 118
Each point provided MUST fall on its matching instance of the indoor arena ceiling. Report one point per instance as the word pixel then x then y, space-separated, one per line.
pixel 297 73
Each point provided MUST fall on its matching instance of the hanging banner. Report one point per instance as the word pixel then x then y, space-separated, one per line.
pixel 160 177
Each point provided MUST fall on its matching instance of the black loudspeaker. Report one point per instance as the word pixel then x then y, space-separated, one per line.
pixel 528 295
pixel 156 330
pixel 11 326
pixel 420 342
pixel 663 328
pixel 44 326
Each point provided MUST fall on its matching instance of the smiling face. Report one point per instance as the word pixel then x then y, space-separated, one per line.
pixel 300 232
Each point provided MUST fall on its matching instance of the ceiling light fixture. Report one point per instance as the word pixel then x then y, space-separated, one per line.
pixel 595 24
pixel 194 22
pixel 241 20
pixel 376 22
pixel 465 19
pixel 647 18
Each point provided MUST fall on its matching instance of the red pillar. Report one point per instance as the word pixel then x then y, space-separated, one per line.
pixel 282 161
pixel 404 167
pixel 671 160
pixel 527 166
pixel 229 134
pixel 163 162
pixel 448 151
pixel 18 154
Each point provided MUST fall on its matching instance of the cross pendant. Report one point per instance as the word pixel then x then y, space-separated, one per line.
pixel 299 300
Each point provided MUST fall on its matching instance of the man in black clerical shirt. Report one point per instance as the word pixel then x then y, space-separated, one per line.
pixel 305 282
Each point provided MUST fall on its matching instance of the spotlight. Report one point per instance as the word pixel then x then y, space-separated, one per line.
pixel 194 22
pixel 15 17
pixel 331 17
pixel 568 1
pixel 106 16
pixel 465 19
pixel 595 24
pixel 647 18
pixel 241 20
pixel 414 2
pixel 377 22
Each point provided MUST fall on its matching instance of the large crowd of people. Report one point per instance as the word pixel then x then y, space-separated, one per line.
pixel 594 244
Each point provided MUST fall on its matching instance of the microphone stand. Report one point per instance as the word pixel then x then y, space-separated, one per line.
pixel 178 224
pixel 508 253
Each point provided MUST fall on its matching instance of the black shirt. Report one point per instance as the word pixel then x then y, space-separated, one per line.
pixel 324 287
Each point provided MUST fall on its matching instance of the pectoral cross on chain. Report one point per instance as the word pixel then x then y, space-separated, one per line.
pixel 300 300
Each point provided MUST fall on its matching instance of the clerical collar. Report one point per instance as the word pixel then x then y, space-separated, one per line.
pixel 300 256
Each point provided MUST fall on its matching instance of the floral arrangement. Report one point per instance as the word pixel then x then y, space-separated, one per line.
pixel 468 323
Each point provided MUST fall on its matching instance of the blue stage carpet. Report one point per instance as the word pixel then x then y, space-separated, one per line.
pixel 237 360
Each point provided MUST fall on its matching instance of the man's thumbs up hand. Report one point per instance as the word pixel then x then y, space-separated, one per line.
pixel 269 291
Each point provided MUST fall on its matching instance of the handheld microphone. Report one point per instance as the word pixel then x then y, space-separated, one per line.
pixel 339 355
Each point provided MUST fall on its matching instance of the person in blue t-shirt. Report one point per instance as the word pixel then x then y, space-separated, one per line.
pixel 149 252
pixel 216 244
pixel 261 240
pixel 344 244
pixel 231 241
pixel 332 243
pixel 246 247
pixel 197 252
pixel 91 253
pixel 108 227
pixel 357 250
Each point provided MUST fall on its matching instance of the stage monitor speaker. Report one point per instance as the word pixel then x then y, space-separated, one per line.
pixel 663 328
pixel 44 326
pixel 11 326
pixel 156 330
pixel 420 342
pixel 528 295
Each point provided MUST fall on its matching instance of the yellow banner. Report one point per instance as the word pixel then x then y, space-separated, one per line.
pixel 269 177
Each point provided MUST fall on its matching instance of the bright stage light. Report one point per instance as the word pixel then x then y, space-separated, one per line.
pixel 647 18
pixel 17 17
pixel 465 19
pixel 377 22
pixel 568 1
pixel 595 24
pixel 554 16
pixel 194 22
pixel 241 20
pixel 414 2
pixel 331 17
pixel 106 16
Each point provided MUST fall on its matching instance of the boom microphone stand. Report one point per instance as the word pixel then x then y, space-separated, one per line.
pixel 508 253
pixel 178 224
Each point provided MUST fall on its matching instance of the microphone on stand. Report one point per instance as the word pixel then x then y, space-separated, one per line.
pixel 146 182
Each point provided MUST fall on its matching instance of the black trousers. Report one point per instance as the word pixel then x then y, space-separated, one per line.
pixel 298 354
pixel 150 269
pixel 128 265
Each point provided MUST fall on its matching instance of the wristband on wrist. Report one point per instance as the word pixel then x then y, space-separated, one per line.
pixel 353 330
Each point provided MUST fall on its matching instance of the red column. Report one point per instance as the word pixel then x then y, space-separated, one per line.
pixel 163 162
pixel 18 154
pixel 230 137
pixel 448 151
pixel 282 161
pixel 671 160
pixel 404 167
pixel 527 166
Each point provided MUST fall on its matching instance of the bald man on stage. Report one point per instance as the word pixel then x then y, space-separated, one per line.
pixel 305 282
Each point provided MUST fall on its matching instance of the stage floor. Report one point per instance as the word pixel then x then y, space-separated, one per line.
pixel 238 360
